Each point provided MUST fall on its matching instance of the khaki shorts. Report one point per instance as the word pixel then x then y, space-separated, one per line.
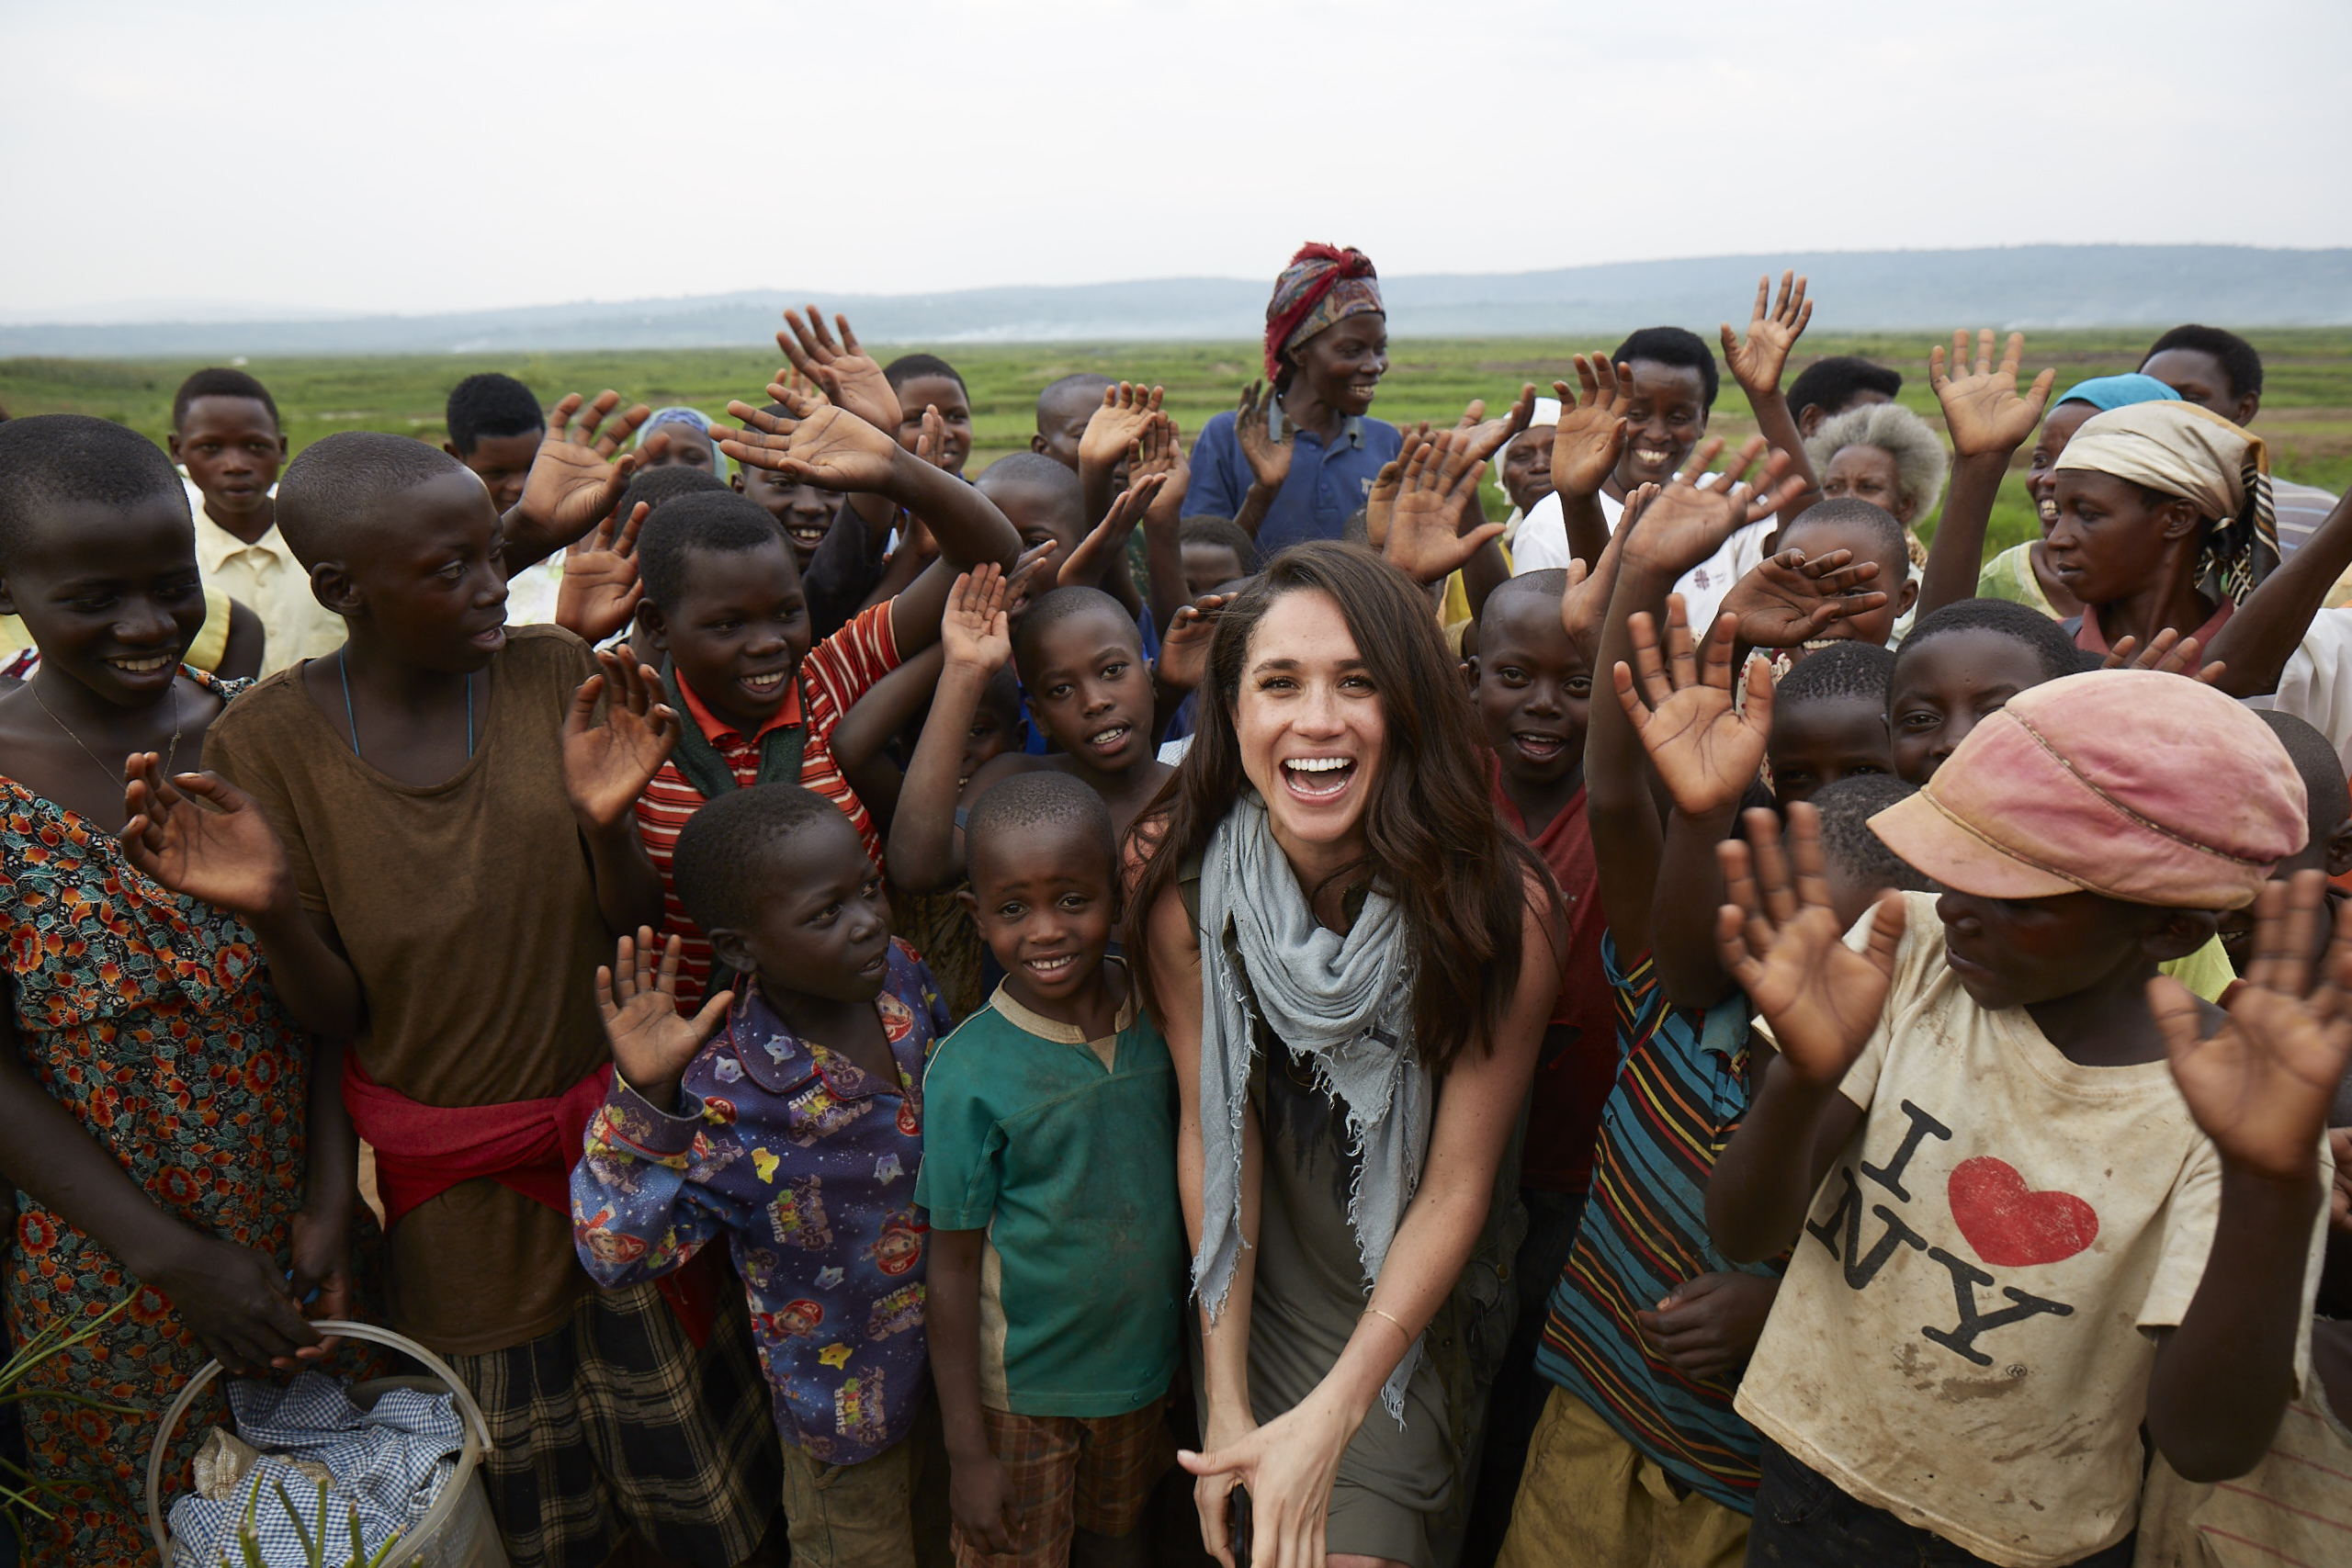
pixel 850 1515
pixel 1589 1499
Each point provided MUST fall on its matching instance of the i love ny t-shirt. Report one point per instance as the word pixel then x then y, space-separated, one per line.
pixel 1960 1336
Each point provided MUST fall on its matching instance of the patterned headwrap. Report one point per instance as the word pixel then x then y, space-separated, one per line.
pixel 694 418
pixel 1322 285
pixel 2182 450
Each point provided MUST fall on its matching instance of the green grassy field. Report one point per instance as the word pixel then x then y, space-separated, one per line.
pixel 2306 415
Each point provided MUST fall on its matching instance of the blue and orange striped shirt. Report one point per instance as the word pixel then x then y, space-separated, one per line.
pixel 1681 1089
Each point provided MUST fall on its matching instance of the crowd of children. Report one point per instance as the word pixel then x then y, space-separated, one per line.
pixel 652 909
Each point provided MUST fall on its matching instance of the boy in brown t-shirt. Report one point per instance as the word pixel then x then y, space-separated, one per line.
pixel 456 813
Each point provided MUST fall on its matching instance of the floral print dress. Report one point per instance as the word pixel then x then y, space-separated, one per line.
pixel 148 1015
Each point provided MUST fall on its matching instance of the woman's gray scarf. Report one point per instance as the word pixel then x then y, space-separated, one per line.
pixel 1345 1004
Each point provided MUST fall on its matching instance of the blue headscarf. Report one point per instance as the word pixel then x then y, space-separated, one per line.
pixel 678 413
pixel 2104 393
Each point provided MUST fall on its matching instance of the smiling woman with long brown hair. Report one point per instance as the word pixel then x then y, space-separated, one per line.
pixel 1351 960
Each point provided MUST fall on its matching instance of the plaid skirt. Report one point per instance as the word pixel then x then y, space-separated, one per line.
pixel 615 1421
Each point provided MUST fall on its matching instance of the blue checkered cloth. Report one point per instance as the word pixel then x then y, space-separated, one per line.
pixel 388 1463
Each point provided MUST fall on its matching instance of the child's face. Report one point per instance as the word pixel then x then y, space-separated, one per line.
pixel 110 593
pixel 1867 473
pixel 1894 580
pixel 1527 468
pixel 1342 363
pixel 1044 899
pixel 945 394
pixel 2058 427
pixel 502 463
pixel 2202 379
pixel 1944 687
pixel 824 928
pixel 1037 515
pixel 1090 690
pixel 994 732
pixel 1533 688
pixel 1209 567
pixel 688 446
pixel 738 631
pixel 2108 543
pixel 427 581
pixel 805 513
pixel 233 449
pixel 1666 416
pixel 2017 952
pixel 1061 421
pixel 1818 742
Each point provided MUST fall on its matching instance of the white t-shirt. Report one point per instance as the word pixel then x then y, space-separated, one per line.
pixel 1960 1338
pixel 1542 542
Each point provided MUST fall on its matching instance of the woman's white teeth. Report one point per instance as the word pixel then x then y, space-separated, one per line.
pixel 1317 764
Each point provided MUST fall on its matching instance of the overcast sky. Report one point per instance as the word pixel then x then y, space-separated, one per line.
pixel 456 155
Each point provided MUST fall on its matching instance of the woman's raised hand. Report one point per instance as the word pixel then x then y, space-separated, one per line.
pixel 1269 458
pixel 1983 411
pixel 1590 435
pixel 1773 330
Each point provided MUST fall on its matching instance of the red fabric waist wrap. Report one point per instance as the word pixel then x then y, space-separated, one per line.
pixel 526 1146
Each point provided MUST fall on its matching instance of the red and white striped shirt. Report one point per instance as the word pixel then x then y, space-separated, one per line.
pixel 836 672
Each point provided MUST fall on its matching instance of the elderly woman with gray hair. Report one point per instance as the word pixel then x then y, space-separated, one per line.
pixel 1886 455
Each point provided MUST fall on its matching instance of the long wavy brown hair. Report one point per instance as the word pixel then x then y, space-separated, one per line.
pixel 1433 840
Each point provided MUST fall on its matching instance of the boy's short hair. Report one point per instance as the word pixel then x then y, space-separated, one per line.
pixel 2048 641
pixel 1089 381
pixel 715 522
pixel 723 865
pixel 1052 610
pixel 72 459
pixel 655 486
pixel 493 405
pixel 1208 528
pixel 1037 800
pixel 2237 357
pixel 220 381
pixel 1832 384
pixel 914 366
pixel 334 487
pixel 1847 808
pixel 1550 583
pixel 1037 470
pixel 1673 346
pixel 1841 672
pixel 1870 517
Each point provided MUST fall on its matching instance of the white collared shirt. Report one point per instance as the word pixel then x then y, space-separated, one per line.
pixel 266 578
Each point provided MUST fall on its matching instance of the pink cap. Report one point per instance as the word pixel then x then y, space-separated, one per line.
pixel 2147 787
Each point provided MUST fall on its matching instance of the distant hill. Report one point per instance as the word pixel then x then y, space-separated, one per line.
pixel 2026 286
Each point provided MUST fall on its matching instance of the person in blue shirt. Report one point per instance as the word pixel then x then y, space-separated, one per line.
pixel 1294 463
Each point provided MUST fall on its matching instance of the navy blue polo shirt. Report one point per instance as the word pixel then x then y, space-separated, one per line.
pixel 1325 486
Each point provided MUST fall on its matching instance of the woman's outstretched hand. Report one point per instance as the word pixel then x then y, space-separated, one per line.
pixel 1288 1464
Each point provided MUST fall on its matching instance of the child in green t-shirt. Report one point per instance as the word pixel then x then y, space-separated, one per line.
pixel 1058 1264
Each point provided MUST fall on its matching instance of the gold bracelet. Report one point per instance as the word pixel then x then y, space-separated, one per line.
pixel 1375 1312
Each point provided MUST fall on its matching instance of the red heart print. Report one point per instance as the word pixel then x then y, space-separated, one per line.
pixel 2010 1225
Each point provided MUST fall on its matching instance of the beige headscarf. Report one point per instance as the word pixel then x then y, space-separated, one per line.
pixel 2193 452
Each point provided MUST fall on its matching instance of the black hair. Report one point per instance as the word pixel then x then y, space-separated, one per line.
pixel 1832 384
pixel 913 366
pixel 1550 583
pixel 493 405
pixel 656 487
pixel 1847 808
pixel 2045 638
pixel 2238 359
pixel 1838 671
pixel 1673 346
pixel 2317 764
pixel 1040 800
pixel 725 864
pixel 334 488
pixel 221 382
pixel 1208 528
pixel 1036 468
pixel 1894 551
pixel 1089 381
pixel 1051 610
pixel 72 459
pixel 713 521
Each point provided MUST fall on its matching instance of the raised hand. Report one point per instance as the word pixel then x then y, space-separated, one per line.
pixel 1184 651
pixel 1160 450
pixel 2169 652
pixel 1590 436
pixel 1094 554
pixel 931 438
pixel 579 472
pixel 1786 601
pixel 607 766
pixel 1684 523
pixel 1773 330
pixel 1780 941
pixel 601 588
pixel 1584 605
pixel 230 856
pixel 1425 540
pixel 2261 1085
pixel 826 446
pixel 1381 499
pixel 975 633
pixel 1705 749
pixel 1983 411
pixel 1031 575
pixel 848 374
pixel 1126 412
pixel 1269 458
pixel 652 1041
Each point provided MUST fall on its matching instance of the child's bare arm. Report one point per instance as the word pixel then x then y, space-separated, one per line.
pixel 1101 558
pixel 861 739
pixel 980 1494
pixel 925 849
pixel 1781 943
pixel 1773 330
pixel 321 1240
pixel 1988 422
pixel 2260 1087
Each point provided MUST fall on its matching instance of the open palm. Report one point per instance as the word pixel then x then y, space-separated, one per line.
pixel 1705 749
pixel 1126 412
pixel 579 472
pixel 607 766
pixel 1425 540
pixel 1983 410
pixel 227 857
pixel 825 446
pixel 849 376
pixel 1590 435
pixel 1788 600
pixel 1773 330
pixel 1269 458
pixel 652 1041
